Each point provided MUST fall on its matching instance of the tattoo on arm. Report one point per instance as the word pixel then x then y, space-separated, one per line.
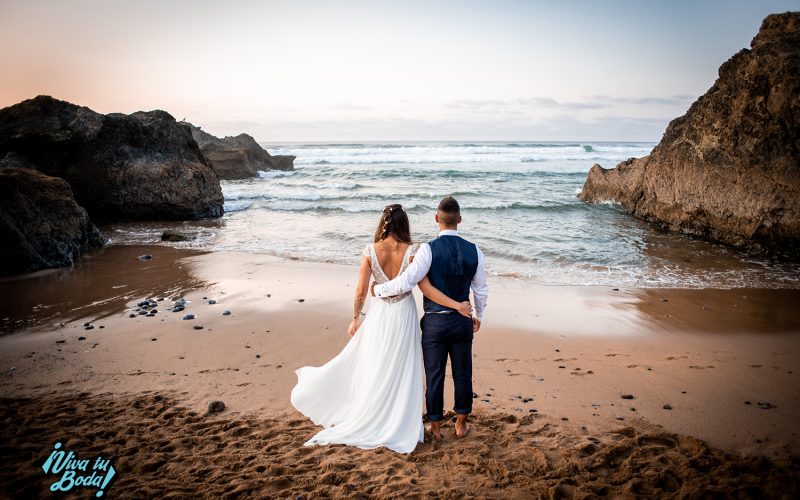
pixel 359 304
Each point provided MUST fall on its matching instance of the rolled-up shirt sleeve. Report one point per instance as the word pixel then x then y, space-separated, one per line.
pixel 480 287
pixel 409 278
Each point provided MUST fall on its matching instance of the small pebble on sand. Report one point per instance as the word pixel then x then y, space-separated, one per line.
pixel 216 406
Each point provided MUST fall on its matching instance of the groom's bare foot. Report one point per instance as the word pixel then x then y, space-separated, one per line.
pixel 436 430
pixel 462 426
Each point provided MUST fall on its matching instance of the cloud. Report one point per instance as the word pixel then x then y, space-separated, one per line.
pixel 598 117
pixel 496 105
pixel 675 100
pixel 478 126
pixel 349 106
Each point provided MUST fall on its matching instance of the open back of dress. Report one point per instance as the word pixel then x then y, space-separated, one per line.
pixel 371 393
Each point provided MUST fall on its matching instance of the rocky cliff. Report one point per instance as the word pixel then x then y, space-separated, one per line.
pixel 142 166
pixel 41 225
pixel 729 169
pixel 238 157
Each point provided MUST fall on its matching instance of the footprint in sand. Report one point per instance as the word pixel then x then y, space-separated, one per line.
pixel 673 358
pixel 697 367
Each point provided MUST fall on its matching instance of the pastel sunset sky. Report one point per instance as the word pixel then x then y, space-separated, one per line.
pixel 381 70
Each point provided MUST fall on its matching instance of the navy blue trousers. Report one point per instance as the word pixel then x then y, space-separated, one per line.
pixel 446 335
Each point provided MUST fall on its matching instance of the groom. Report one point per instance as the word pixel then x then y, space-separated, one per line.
pixel 452 265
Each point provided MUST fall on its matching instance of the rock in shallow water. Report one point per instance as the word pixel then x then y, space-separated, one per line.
pixel 729 169
pixel 174 235
pixel 188 317
pixel 238 157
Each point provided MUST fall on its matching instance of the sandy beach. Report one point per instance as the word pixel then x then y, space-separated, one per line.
pixel 579 390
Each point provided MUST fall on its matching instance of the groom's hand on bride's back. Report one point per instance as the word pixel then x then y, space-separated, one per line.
pixel 372 288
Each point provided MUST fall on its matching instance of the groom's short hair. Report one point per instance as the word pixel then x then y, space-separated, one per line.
pixel 449 211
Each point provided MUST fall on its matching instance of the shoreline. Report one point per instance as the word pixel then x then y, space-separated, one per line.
pixel 721 346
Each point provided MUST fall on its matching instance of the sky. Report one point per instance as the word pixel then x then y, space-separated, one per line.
pixel 354 70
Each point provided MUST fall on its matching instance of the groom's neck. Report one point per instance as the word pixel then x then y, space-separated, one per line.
pixel 442 227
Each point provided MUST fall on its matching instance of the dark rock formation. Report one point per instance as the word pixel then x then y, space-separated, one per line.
pixel 283 162
pixel 143 166
pixel 41 225
pixel 238 157
pixel 729 169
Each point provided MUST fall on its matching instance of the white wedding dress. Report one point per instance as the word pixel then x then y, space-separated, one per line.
pixel 371 393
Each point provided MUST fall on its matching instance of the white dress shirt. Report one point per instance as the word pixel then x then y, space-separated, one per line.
pixel 418 269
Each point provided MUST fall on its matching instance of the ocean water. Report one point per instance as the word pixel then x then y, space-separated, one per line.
pixel 519 204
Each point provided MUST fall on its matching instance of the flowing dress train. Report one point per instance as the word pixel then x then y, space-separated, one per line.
pixel 371 393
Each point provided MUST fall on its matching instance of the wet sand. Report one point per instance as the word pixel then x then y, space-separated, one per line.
pixel 551 367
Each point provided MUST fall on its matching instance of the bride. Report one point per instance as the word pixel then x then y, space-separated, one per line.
pixel 371 393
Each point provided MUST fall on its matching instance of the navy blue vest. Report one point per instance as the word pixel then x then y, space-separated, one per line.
pixel 453 265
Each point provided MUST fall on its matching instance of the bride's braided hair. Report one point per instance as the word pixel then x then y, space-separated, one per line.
pixel 394 222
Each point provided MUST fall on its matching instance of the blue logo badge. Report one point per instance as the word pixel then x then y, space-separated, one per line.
pixel 75 472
